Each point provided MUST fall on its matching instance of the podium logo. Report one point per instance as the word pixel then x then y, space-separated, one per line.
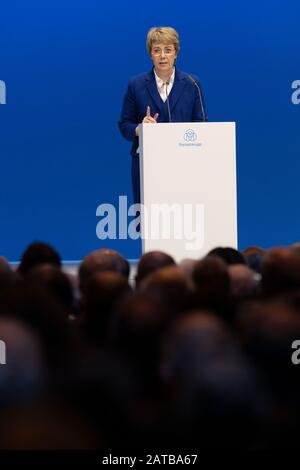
pixel 2 92
pixel 175 221
pixel 190 136
pixel 296 94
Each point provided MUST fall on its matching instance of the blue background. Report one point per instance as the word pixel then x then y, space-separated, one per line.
pixel 66 66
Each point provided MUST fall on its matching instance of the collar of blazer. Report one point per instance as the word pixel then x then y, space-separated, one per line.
pixel 177 89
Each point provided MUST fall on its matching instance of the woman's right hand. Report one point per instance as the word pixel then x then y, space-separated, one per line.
pixel 147 119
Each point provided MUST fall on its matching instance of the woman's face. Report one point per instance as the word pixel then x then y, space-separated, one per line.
pixel 163 57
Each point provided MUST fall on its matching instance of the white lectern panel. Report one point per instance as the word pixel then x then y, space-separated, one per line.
pixel 188 187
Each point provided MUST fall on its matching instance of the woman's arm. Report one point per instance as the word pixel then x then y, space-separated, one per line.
pixel 129 118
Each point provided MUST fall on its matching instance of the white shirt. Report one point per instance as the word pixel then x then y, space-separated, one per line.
pixel 161 85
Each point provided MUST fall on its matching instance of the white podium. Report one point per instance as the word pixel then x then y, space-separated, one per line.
pixel 188 187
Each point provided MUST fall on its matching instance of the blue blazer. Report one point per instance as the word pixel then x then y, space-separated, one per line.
pixel 185 106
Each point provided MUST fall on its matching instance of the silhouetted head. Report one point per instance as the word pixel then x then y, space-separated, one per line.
pixel 140 324
pixel 104 291
pixel 268 329
pixel 150 262
pixel 243 281
pixel 212 388
pixel 211 283
pixel 101 261
pixel 4 265
pixel 280 270
pixel 38 253
pixel 40 311
pixel 253 256
pixel 8 278
pixel 195 339
pixel 228 255
pixel 22 375
pixel 55 281
pixel 171 287
pixel 187 266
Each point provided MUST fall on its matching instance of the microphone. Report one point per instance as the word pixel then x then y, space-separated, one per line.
pixel 200 97
pixel 168 103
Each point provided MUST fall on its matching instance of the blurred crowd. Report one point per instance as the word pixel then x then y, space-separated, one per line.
pixel 195 355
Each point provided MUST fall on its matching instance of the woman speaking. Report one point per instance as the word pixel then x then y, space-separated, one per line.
pixel 165 94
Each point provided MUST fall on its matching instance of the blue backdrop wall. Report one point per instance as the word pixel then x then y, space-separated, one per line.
pixel 64 67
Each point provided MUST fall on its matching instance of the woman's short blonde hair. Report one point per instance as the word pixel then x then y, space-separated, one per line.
pixel 164 35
